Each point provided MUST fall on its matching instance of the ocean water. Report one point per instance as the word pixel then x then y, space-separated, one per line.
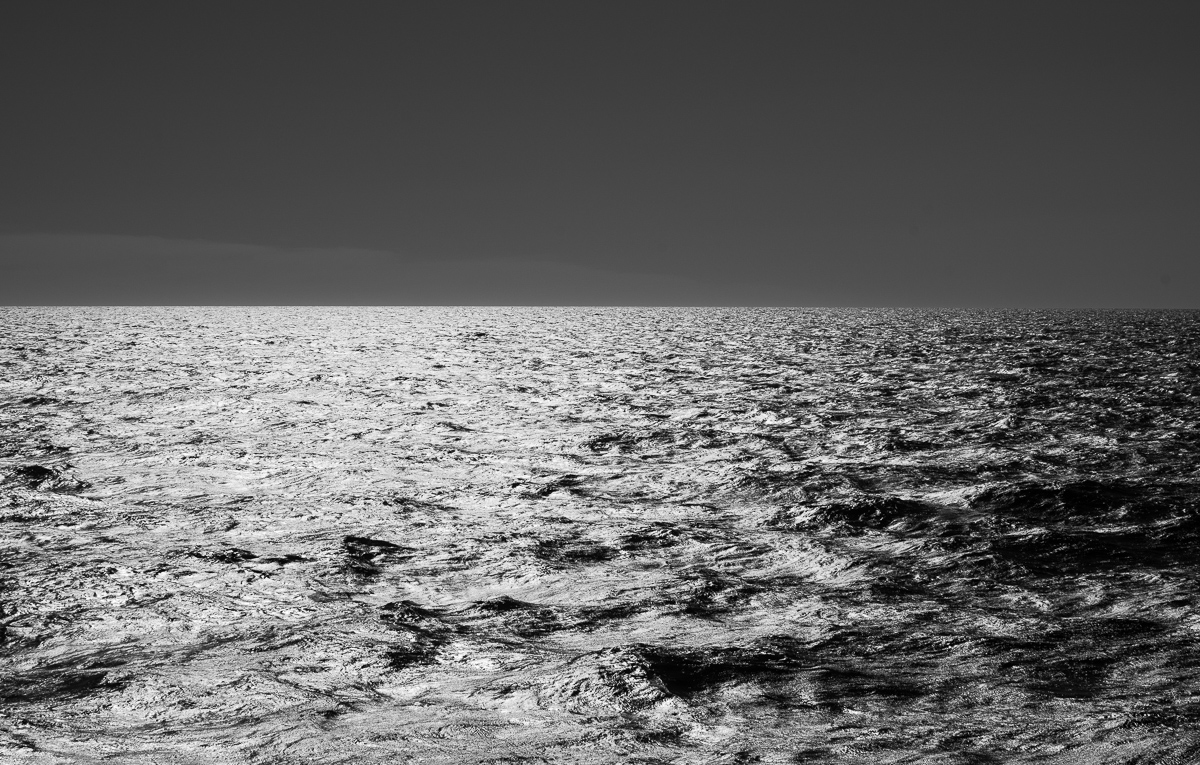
pixel 322 535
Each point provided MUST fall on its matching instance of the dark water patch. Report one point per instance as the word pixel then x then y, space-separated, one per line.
pixel 839 688
pixel 1057 552
pixel 1167 713
pixel 39 401
pixel 285 559
pixel 708 438
pixel 413 649
pixel 22 517
pixel 572 550
pixel 518 617
pixel 569 483
pixel 421 633
pixel 1086 526
pixel 1077 677
pixel 637 676
pixel 707 592
pixel 57 682
pixel 654 440
pixel 1105 629
pixel 408 612
pixel 862 512
pixel 802 483
pixel 365 548
pixel 80 675
pixel 902 442
pixel 591 616
pixel 406 505
pixel 42 478
pixel 222 555
pixel 45 447
pixel 500 604
pixel 366 557
pixel 910 643
pixel 1075 658
pixel 1112 634
pixel 849 512
pixel 1076 502
pixel 654 536
pixel 689 672
pixel 611 441
pixel 898 585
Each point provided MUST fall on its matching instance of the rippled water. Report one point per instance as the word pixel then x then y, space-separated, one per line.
pixel 598 535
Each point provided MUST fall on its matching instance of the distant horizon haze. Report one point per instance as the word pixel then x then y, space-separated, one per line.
pixel 125 270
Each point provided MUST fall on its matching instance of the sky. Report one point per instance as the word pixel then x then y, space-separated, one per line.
pixel 848 153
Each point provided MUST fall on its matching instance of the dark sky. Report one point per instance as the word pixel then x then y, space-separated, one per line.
pixel 804 153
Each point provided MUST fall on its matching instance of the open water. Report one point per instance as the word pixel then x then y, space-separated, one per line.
pixel 322 535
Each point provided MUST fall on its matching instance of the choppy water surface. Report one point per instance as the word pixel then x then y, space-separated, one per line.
pixel 598 535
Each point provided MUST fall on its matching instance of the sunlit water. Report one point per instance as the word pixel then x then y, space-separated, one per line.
pixel 598 535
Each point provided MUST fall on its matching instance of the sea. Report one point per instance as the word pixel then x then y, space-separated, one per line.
pixel 251 536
